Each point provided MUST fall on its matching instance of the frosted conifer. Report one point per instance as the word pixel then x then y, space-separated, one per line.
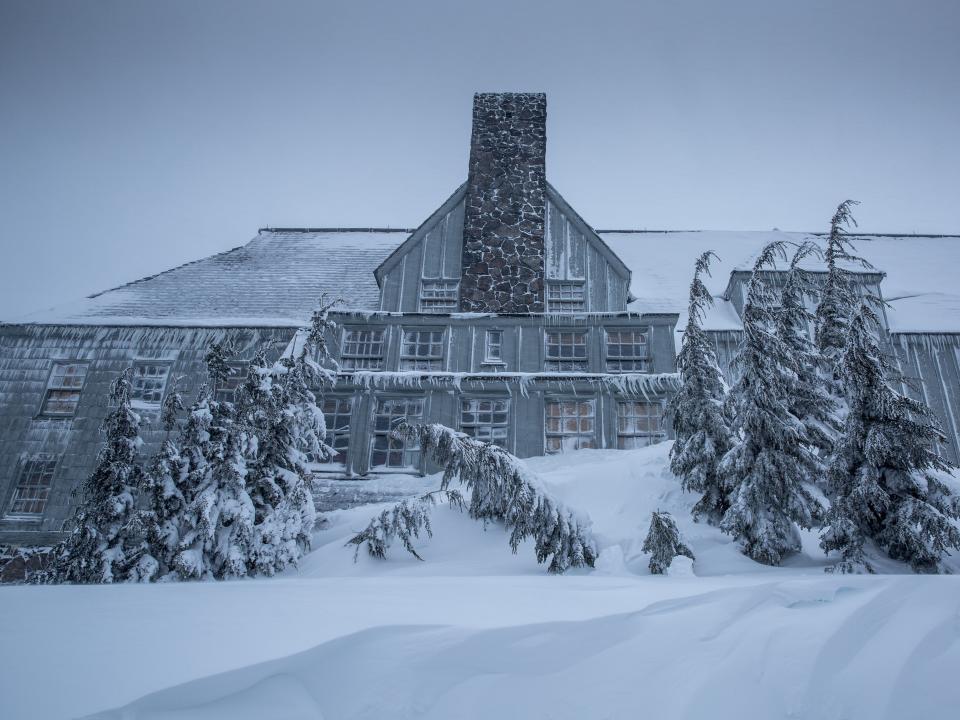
pixel 698 414
pixel 664 543
pixel 105 545
pixel 770 464
pixel 883 474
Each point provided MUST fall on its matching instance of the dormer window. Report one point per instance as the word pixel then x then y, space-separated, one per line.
pixel 439 296
pixel 566 297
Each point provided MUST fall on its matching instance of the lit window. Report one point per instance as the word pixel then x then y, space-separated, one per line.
pixel 149 381
pixel 439 296
pixel 566 351
pixel 422 350
pixel 227 390
pixel 570 425
pixel 63 389
pixel 336 414
pixel 627 351
pixel 486 420
pixel 493 346
pixel 639 424
pixel 33 486
pixel 388 451
pixel 362 349
pixel 565 297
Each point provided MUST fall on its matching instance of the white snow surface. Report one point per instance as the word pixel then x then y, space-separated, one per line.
pixel 476 632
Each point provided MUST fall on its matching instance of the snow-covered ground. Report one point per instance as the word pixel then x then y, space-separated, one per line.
pixel 475 632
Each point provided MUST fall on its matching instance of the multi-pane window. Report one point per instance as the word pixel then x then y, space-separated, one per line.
pixel 388 451
pixel 422 350
pixel 33 486
pixel 148 383
pixel 486 419
pixel 439 296
pixel 493 346
pixel 639 424
pixel 566 350
pixel 565 297
pixel 227 389
pixel 627 351
pixel 63 389
pixel 362 349
pixel 570 425
pixel 336 413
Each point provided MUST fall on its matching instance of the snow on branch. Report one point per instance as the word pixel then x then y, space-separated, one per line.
pixel 501 489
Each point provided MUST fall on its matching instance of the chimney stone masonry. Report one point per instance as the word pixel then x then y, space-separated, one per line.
pixel 502 267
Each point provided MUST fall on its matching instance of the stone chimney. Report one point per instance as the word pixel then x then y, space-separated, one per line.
pixel 502 268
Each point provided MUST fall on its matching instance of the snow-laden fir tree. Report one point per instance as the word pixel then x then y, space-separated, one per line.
pixel 698 412
pixel 809 397
pixel 501 490
pixel 883 474
pixel 165 490
pixel 664 543
pixel 770 467
pixel 217 535
pixel 106 545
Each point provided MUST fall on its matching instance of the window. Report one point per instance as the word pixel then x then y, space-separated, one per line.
pixel 149 380
pixel 627 351
pixel 570 425
pixel 63 389
pixel 565 297
pixel 639 424
pixel 566 351
pixel 493 347
pixel 362 349
pixel 336 413
pixel 485 419
pixel 422 350
pixel 33 486
pixel 227 390
pixel 439 296
pixel 388 451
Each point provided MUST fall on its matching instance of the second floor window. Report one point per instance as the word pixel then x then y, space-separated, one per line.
pixel 422 350
pixel 565 297
pixel 227 390
pixel 148 383
pixel 33 486
pixel 63 389
pixel 627 351
pixel 566 351
pixel 362 349
pixel 493 346
pixel 439 296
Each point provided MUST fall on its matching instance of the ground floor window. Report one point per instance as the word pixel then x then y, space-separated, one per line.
pixel 336 414
pixel 33 486
pixel 570 425
pixel 639 424
pixel 386 450
pixel 486 419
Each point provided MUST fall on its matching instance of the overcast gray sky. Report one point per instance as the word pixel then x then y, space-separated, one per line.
pixel 135 136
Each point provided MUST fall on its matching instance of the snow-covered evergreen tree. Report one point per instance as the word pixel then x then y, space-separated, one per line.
pixel 664 543
pixel 105 545
pixel 217 535
pixel 883 473
pixel 810 399
pixel 501 490
pixel 698 413
pixel 770 466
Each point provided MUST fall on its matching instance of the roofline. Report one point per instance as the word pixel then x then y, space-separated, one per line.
pixel 800 232
pixel 333 229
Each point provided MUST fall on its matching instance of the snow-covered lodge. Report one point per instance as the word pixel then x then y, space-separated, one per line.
pixel 505 314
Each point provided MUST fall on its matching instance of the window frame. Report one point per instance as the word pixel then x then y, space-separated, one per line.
pixel 336 433
pixel 645 360
pixel 470 427
pixel 50 388
pixel 424 363
pixel 560 433
pixel 438 304
pixel 139 403
pixel 367 360
pixel 241 369
pixel 571 296
pixel 407 448
pixel 52 462
pixel 559 363
pixel 655 436
pixel 489 359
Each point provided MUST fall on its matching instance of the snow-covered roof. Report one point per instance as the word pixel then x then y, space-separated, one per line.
pixel 276 279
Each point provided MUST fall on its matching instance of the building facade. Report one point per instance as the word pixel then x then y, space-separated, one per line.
pixel 504 315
